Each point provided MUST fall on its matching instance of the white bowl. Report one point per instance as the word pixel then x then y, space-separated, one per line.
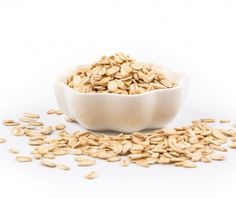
pixel 123 113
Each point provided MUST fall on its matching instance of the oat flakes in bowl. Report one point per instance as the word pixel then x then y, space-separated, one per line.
pixel 119 74
pixel 117 93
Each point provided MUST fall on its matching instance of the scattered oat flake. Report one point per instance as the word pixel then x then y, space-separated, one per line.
pixel 36 143
pixel 137 156
pixel 91 175
pixel 225 121
pixel 81 159
pixel 10 123
pixel 233 145
pixel 63 167
pixel 208 120
pixel 51 111
pixel 37 156
pixel 219 135
pixel 36 123
pixel 60 126
pixel 48 163
pixel 125 162
pixel 189 164
pixel 87 163
pixel 206 159
pixel 196 156
pixel 2 140
pixel 114 159
pixel 60 152
pixel 23 159
pixel 234 138
pixel 49 156
pixel 218 157
pixel 27 120
pixel 31 115
pixel 47 130
pixel 59 112
pixel 142 163
pixel 14 150
pixel 75 152
pixel 17 131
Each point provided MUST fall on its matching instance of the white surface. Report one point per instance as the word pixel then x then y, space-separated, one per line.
pixel 38 39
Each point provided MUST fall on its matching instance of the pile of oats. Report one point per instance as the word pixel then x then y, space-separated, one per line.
pixel 183 146
pixel 119 74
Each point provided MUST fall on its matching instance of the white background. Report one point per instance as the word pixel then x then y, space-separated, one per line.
pixel 38 39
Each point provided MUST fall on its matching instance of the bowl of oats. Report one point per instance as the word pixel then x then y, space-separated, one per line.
pixel 118 93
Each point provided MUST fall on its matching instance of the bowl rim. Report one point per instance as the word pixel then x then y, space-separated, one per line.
pixel 181 83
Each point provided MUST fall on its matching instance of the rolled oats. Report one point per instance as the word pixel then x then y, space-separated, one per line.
pixel 31 115
pixel 208 120
pixel 118 75
pixel 91 175
pixel 14 150
pixel 48 163
pixel 225 121
pixel 23 159
pixel 2 140
pixel 217 157
pixel 84 161
pixel 63 167
pixel 189 164
pixel 59 112
pixel 60 126
pixel 125 162
pixel 35 123
pixel 233 145
pixel 10 123
pixel 17 131
pixel 182 146
pixel 51 111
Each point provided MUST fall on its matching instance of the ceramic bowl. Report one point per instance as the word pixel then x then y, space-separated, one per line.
pixel 123 113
